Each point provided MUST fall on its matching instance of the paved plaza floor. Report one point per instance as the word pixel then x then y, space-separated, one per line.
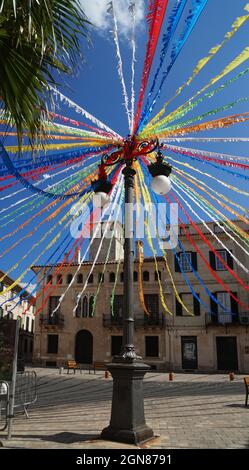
pixel 197 411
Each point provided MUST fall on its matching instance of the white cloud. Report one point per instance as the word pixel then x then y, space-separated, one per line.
pixel 96 11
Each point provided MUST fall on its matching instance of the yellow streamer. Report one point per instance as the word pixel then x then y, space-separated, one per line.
pixel 242 57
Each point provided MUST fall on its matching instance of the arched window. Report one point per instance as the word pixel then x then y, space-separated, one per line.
pixel 91 303
pixel 135 276
pixel 80 278
pixel 78 310
pixel 59 279
pixel 85 307
pixel 27 324
pixel 122 277
pixel 69 278
pixel 112 277
pixel 146 276
pixel 101 277
pixel 158 276
pixel 90 280
pixel 49 279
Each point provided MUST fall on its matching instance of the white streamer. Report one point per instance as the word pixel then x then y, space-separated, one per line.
pixel 113 195
pixel 82 111
pixel 111 10
pixel 100 244
pixel 133 46
pixel 204 139
pixel 206 153
pixel 206 226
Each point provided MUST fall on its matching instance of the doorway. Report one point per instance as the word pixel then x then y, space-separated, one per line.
pixel 189 352
pixel 84 347
pixel 227 356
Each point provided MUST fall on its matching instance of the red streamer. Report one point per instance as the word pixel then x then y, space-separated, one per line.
pixel 155 18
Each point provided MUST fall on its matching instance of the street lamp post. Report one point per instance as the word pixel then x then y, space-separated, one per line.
pixel 127 422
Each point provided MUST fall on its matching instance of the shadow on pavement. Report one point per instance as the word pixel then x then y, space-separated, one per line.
pixel 62 437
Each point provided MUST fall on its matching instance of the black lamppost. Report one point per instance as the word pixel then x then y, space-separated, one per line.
pixel 127 422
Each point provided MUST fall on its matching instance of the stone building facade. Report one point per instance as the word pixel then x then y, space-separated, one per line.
pixel 12 309
pixel 207 340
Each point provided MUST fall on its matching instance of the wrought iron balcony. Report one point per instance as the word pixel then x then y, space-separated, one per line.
pixel 52 320
pixel 141 321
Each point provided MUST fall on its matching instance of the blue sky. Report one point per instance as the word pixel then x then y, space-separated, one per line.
pixel 97 86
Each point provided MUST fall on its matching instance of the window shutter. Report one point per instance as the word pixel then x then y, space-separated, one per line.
pixel 194 260
pixel 177 267
pixel 213 304
pixel 197 309
pixel 229 260
pixel 178 308
pixel 212 260
pixel 234 304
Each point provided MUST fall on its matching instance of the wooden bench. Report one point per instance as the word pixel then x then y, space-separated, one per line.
pixel 246 380
pixel 72 365
pixel 97 365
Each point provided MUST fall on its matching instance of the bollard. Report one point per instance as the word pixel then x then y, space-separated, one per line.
pixel 171 376
pixel 106 374
pixel 231 376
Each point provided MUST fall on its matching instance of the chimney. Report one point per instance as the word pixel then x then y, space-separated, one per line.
pixel 78 255
pixel 139 249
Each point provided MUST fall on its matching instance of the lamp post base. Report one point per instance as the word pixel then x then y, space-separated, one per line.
pixel 127 417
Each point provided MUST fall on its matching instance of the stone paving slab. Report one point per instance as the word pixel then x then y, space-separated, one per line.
pixel 194 411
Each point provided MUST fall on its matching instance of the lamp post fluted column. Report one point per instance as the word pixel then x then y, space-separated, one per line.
pixel 127 422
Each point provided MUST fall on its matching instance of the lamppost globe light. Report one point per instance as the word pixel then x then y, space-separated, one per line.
pixel 161 184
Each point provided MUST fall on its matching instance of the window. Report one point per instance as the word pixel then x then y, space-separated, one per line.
pixel 218 229
pixel 69 278
pixel 1 286
pixel 152 304
pixel 85 307
pixel 158 275
pixel 59 279
pixel 27 324
pixel 91 304
pixel 31 347
pixel 224 299
pixel 184 261
pixel 146 276
pixel 90 279
pixel 101 277
pixel 25 346
pixel 52 304
pixel 33 326
pixel 181 231
pixel 53 344
pixel 80 278
pixel 217 264
pixel 191 302
pixel 122 277
pixel 112 277
pixel 135 276
pixel 49 279
pixel 116 345
pixel 151 346
pixel 118 306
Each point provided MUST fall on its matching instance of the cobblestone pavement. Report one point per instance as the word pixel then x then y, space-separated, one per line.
pixel 193 411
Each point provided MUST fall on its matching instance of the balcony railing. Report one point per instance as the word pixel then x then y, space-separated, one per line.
pixel 225 318
pixel 141 321
pixel 55 320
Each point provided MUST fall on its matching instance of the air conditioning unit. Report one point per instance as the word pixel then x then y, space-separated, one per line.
pixel 244 320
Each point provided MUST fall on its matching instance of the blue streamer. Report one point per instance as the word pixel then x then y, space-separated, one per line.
pixel 173 23
pixel 191 21
pixel 220 167
pixel 28 185
pixel 155 197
